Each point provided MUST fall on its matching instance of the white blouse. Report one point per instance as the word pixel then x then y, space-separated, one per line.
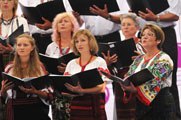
pixel 73 67
pixel 16 22
pixel 53 50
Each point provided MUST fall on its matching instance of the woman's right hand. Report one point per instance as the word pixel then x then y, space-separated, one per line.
pixel 110 59
pixel 5 85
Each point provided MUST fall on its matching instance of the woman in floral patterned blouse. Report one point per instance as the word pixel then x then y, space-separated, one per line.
pixel 154 100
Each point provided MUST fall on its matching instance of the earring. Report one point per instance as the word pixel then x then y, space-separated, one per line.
pixel 31 54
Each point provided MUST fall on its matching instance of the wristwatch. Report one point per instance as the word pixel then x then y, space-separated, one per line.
pixel 109 17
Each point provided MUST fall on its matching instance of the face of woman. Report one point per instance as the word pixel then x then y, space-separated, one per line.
pixel 128 27
pixel 23 47
pixel 65 25
pixel 7 5
pixel 82 44
pixel 148 39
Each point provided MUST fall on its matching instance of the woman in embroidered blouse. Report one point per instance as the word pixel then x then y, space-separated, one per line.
pixel 154 101
pixel 9 22
pixel 24 103
pixel 89 105
pixel 64 25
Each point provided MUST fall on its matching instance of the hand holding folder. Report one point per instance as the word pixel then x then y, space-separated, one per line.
pixel 52 63
pixel 38 82
pixel 156 6
pixel 82 6
pixel 87 79
pixel 48 10
pixel 137 79
pixel 123 49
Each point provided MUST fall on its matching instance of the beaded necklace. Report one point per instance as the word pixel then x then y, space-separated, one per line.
pixel 61 52
pixel 6 23
pixel 83 66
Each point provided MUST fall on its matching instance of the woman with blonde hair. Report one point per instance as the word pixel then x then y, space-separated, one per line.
pixel 25 103
pixel 64 26
pixel 9 22
pixel 89 104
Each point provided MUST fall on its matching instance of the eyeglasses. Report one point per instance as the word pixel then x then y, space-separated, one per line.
pixel 148 34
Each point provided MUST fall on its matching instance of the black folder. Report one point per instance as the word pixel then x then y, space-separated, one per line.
pixel 87 79
pixel 12 38
pixel 82 6
pixel 52 63
pixel 124 50
pixel 137 78
pixel 111 37
pixel 156 6
pixel 37 82
pixel 48 10
pixel 58 81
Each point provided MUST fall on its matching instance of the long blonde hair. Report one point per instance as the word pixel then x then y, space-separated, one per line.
pixel 33 68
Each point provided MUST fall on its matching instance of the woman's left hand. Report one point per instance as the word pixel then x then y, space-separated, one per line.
pixel 77 89
pixel 61 68
pixel 4 49
pixel 130 88
pixel 31 90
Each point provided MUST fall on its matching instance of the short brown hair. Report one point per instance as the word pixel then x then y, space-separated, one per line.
pixel 92 41
pixel 158 33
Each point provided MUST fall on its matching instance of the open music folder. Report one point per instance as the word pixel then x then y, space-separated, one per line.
pixel 51 63
pixel 12 38
pixel 156 6
pixel 38 82
pixel 82 6
pixel 87 79
pixel 137 78
pixel 124 50
pixel 48 10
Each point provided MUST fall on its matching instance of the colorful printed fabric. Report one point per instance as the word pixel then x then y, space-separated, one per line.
pixel 160 68
pixel 61 108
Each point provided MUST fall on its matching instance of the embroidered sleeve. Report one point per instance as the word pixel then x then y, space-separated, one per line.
pixel 148 91
pixel 66 73
pixel 133 66
pixel 103 67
